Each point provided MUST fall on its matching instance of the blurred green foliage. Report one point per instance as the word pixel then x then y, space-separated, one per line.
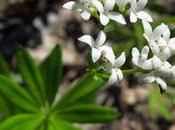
pixel 35 104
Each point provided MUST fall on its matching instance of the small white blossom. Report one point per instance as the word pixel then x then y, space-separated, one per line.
pixel 138 58
pixel 98 47
pixel 137 13
pixel 116 72
pixel 82 6
pixel 106 12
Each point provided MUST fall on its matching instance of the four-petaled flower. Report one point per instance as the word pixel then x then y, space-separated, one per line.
pixel 107 13
pixel 82 6
pixel 116 72
pixel 98 48
pixel 137 13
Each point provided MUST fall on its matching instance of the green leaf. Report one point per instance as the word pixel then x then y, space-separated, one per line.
pixel 83 88
pixel 31 75
pixel 157 106
pixel 138 33
pixel 22 122
pixel 51 70
pixel 87 114
pixel 4 67
pixel 18 96
pixel 4 108
pixel 57 124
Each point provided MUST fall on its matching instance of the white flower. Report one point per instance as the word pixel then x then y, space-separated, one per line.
pixel 98 49
pixel 137 13
pixel 122 3
pixel 82 6
pixel 159 40
pixel 106 12
pixel 116 73
pixel 138 58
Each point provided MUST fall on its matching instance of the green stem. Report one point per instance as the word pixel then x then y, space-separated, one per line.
pixel 130 71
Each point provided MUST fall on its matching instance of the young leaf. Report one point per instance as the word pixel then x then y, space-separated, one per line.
pixel 31 74
pixel 14 93
pixel 83 88
pixel 57 124
pixel 51 70
pixel 4 67
pixel 87 114
pixel 22 122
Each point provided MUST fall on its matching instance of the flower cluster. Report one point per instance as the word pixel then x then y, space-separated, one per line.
pixel 162 47
pixel 159 41
pixel 107 12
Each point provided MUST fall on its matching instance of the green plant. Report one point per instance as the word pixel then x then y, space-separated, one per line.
pixel 37 108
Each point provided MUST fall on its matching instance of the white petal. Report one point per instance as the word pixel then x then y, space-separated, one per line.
pixel 85 14
pixel 133 4
pixel 117 17
pixel 144 16
pixel 87 39
pixel 171 44
pixel 104 19
pixel 148 78
pixel 108 53
pixel 147 29
pixel 165 54
pixel 98 5
pixel 147 65
pixel 166 34
pixel 120 60
pixel 95 54
pixel 101 38
pixel 141 4
pixel 156 62
pixel 135 56
pixel 159 30
pixel 133 17
pixel 72 5
pixel 135 53
pixel 162 43
pixel 109 5
pixel 162 83
pixel 113 78
pixel 145 52
pixel 120 75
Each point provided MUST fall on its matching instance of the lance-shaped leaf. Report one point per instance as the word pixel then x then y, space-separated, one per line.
pixel 80 91
pixel 57 124
pixel 157 106
pixel 4 67
pixel 31 74
pixel 87 114
pixel 22 122
pixel 17 95
pixel 51 70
